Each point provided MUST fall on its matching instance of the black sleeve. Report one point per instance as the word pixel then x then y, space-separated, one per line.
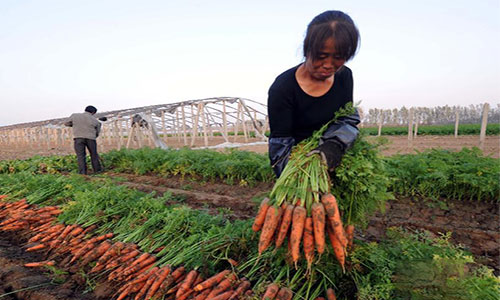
pixel 279 152
pixel 345 130
pixel 280 112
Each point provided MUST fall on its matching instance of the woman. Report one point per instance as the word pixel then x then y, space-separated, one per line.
pixel 305 97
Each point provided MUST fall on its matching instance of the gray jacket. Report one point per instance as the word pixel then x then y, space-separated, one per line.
pixel 85 125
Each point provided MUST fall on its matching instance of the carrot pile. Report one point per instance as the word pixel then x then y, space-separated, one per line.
pixel 137 274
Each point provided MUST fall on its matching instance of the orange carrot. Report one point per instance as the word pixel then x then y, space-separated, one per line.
pixel 284 294
pixel 222 286
pixel 148 284
pixel 186 284
pixel 244 285
pixel 261 215
pixel 298 221
pixel 271 222
pixel 210 282
pixel 37 247
pixel 318 217
pixel 40 264
pixel 96 253
pixel 203 295
pixel 271 292
pixel 308 240
pixel 338 249
pixel 285 225
pixel 223 296
pixel 350 235
pixel 132 254
pixel 332 211
pixel 330 294
pixel 130 273
pixel 319 298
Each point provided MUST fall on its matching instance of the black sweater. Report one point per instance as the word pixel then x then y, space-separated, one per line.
pixel 293 113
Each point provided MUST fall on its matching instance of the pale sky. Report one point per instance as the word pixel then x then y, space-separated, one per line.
pixel 56 57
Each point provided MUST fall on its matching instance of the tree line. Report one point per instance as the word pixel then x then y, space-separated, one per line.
pixel 438 115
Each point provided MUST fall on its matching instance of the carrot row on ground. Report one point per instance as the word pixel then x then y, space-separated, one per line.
pixel 303 227
pixel 135 273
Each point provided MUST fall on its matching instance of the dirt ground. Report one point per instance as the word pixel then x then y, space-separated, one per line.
pixel 396 144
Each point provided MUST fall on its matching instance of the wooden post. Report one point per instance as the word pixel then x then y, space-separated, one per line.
pixel 240 108
pixel 195 124
pixel 484 124
pixel 224 120
pixel 410 127
pixel 177 125
pixel 130 136
pixel 236 121
pixel 457 114
pixel 416 126
pixel 164 129
pixel 380 121
pixel 184 125
pixel 201 111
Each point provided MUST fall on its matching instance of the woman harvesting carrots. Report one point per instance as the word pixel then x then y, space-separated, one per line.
pixel 306 97
pixel 310 109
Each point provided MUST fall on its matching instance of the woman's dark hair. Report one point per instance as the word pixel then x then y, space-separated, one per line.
pixel 332 24
pixel 91 109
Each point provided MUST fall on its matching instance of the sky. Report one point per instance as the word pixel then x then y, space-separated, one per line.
pixel 58 56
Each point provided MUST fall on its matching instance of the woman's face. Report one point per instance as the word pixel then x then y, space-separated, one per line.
pixel 326 63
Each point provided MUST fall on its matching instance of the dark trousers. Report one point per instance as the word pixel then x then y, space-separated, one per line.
pixel 91 145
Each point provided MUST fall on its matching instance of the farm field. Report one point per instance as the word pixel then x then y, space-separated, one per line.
pixel 397 144
pixel 222 198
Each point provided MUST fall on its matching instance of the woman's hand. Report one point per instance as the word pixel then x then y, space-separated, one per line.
pixel 331 153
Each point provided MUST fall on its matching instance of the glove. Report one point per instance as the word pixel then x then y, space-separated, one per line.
pixel 331 153
pixel 103 119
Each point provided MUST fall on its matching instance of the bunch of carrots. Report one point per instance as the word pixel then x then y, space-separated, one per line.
pixel 301 206
pixel 293 220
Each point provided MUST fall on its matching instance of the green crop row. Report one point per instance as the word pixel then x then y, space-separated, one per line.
pixel 464 175
pixel 463 129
